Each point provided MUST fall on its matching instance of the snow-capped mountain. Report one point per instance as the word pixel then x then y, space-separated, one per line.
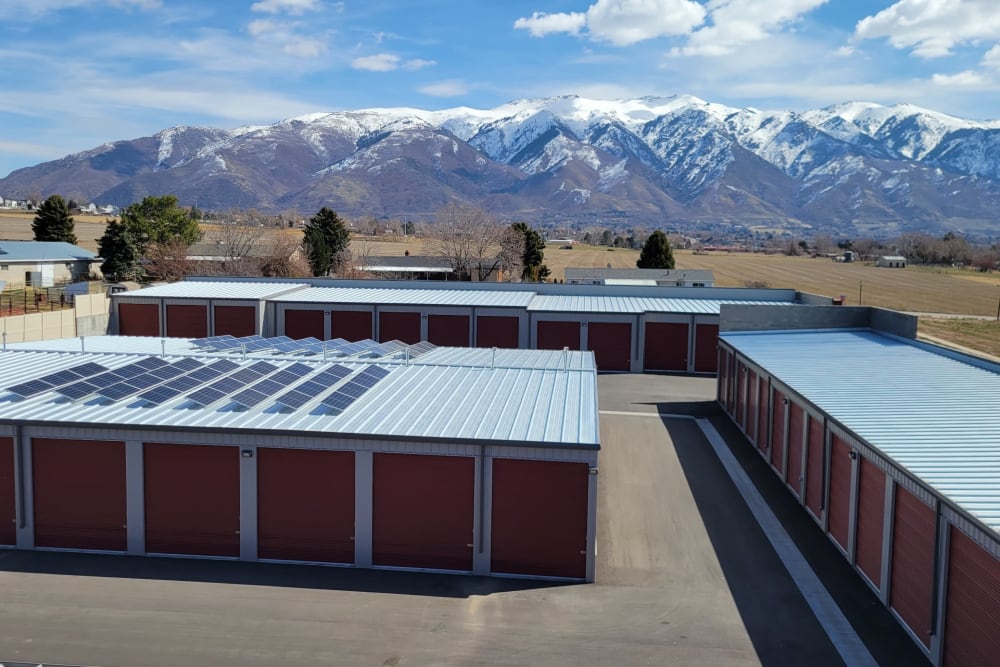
pixel 676 161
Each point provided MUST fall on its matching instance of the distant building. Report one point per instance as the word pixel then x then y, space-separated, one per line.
pixel 420 267
pixel 661 277
pixel 891 261
pixel 45 263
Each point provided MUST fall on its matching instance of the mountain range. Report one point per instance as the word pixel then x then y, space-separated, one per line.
pixel 675 162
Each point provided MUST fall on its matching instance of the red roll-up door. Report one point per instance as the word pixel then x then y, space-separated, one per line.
pixel 557 335
pixel 722 382
pixel 8 511
pixel 972 626
pixel 498 331
pixel 423 511
pixel 305 505
pixel 814 467
pixel 666 347
pixel 706 339
pixel 304 324
pixel 79 494
pixel 751 410
pixel 612 345
pixel 911 592
pixel 732 372
pixel 236 321
pixel 192 499
pixel 762 423
pixel 403 327
pixel 187 321
pixel 539 523
pixel 871 521
pixel 138 319
pixel 450 330
pixel 840 491
pixel 351 325
pixel 741 394
pixel 778 431
pixel 796 417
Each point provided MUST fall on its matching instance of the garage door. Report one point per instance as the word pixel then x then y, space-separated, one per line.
pixel 751 412
pixel 423 511
pixel 778 431
pixel 612 345
pixel 762 423
pixel 557 335
pixel 722 383
pixel 539 518
pixel 732 372
pixel 236 321
pixel 972 627
pixel 138 319
pixel 79 494
pixel 192 499
pixel 304 324
pixel 840 491
pixel 706 339
pixel 912 580
pixel 404 327
pixel 351 324
pixel 305 505
pixel 498 331
pixel 741 394
pixel 8 512
pixel 666 346
pixel 185 321
pixel 796 421
pixel 871 521
pixel 449 330
pixel 814 467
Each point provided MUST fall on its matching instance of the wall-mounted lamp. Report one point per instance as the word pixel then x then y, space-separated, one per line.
pixel 854 454
pixel 785 400
pixel 592 471
pixel 246 453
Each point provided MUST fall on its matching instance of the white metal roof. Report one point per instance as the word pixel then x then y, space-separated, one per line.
pixel 412 296
pixel 937 415
pixel 532 403
pixel 635 304
pixel 220 289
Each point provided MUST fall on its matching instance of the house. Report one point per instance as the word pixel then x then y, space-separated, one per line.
pixel 662 277
pixel 422 267
pixel 45 263
pixel 891 261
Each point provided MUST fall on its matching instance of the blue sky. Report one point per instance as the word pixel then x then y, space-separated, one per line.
pixel 78 73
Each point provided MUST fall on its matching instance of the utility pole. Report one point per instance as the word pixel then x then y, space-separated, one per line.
pixel 861 286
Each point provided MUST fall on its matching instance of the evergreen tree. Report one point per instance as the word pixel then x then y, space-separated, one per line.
pixel 120 251
pixel 53 221
pixel 656 254
pixel 533 253
pixel 160 220
pixel 325 241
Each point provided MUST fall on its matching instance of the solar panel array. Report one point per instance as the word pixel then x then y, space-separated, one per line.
pixel 338 401
pixel 313 387
pixel 53 380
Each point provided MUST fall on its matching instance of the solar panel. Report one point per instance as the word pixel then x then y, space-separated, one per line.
pixel 337 401
pixel 56 379
pixel 420 348
pixel 78 390
pixel 117 391
pixel 314 386
pixel 206 396
pixel 187 364
pixel 30 388
pixel 149 363
pixel 166 372
pixel 89 368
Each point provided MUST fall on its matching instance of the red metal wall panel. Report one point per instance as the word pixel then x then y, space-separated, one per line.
pixel 304 323
pixel 666 346
pixel 192 499
pixel 972 626
pixel 498 331
pixel 351 325
pixel 796 421
pixel 741 394
pixel 8 508
pixel 722 382
pixel 423 511
pixel 449 330
pixel 187 321
pixel 871 520
pixel 403 327
pixel 763 436
pixel 706 339
pixel 612 345
pixel 554 335
pixel 79 494
pixel 778 431
pixel 305 505
pixel 732 375
pixel 539 518
pixel 236 321
pixel 911 590
pixel 814 466
pixel 138 319
pixel 751 412
pixel 840 491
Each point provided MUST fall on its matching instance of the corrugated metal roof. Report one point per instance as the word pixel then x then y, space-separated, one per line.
pixel 221 289
pixel 414 296
pixel 631 305
pixel 936 416
pixel 463 402
pixel 42 251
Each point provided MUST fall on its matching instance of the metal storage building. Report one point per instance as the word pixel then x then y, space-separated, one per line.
pixel 893 448
pixel 363 454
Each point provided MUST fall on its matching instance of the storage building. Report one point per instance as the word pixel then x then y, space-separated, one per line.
pixel 893 448
pixel 365 454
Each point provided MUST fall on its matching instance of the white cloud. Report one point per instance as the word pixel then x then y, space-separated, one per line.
pixel 286 37
pixel 965 79
pixel 739 22
pixel 931 28
pixel 33 9
pixel 620 22
pixel 991 58
pixel 387 62
pixel 450 88
pixel 295 7
pixel 418 63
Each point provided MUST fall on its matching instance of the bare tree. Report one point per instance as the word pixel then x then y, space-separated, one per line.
pixel 239 241
pixel 283 258
pixel 354 260
pixel 168 260
pixel 474 241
